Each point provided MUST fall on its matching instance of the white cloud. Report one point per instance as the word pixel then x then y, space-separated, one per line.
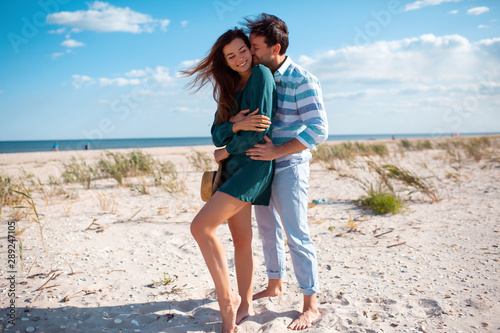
pixel 478 10
pixel 181 109
pixel 164 24
pixel 1 91
pixel 489 42
pixel 189 63
pixel 136 73
pixel 426 59
pixel 405 60
pixel 424 83
pixel 482 26
pixel 413 89
pixel 490 46
pixel 184 23
pixel 103 17
pixel 161 76
pixel 148 78
pixel 72 43
pixel 57 31
pixel 119 81
pixel 424 3
pixel 185 65
pixel 453 12
pixel 57 55
pixel 80 80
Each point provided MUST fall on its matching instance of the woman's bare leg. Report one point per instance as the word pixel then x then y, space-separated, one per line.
pixel 216 211
pixel 241 230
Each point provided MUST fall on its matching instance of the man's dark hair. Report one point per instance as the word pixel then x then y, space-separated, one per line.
pixel 271 27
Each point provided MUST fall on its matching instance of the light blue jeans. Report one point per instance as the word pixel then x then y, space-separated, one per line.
pixel 287 212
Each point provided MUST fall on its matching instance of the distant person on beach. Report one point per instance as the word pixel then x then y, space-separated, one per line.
pixel 87 146
pixel 237 86
pixel 55 147
pixel 300 124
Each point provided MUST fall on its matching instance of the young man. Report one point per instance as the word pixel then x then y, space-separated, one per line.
pixel 299 125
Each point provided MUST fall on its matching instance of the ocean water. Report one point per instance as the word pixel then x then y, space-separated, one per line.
pixel 46 145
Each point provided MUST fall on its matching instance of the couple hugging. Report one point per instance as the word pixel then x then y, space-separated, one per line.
pixel 270 115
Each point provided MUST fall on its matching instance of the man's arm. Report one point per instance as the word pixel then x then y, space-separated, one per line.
pixel 311 109
pixel 268 151
pixel 312 112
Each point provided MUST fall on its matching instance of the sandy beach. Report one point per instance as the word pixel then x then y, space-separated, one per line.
pixel 122 259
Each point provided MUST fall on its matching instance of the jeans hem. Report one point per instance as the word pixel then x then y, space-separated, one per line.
pixel 276 275
pixel 309 291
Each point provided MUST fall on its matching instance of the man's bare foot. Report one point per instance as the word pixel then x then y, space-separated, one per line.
pixel 274 288
pixel 228 314
pixel 267 293
pixel 305 319
pixel 244 311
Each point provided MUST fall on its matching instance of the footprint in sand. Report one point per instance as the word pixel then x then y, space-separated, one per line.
pixel 431 307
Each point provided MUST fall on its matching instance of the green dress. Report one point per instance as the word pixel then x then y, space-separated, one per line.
pixel 246 179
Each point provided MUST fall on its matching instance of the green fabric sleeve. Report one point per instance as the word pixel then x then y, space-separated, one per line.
pixel 222 133
pixel 260 92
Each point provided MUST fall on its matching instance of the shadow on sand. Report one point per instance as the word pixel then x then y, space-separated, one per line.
pixel 194 315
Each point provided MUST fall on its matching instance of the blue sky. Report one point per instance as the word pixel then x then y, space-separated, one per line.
pixel 109 69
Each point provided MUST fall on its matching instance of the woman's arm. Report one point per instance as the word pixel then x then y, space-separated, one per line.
pixel 262 97
pixel 222 133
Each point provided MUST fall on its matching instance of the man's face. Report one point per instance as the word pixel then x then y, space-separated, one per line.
pixel 261 53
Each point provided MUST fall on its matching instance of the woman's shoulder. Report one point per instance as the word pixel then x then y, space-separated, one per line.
pixel 262 71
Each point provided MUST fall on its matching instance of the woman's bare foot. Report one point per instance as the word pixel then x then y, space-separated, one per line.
pixel 244 311
pixel 228 314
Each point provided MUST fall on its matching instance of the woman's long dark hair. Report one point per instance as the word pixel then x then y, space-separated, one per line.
pixel 214 69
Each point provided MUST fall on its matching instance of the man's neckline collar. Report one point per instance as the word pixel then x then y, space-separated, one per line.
pixel 281 70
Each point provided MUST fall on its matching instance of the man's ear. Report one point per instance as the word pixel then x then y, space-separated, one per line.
pixel 276 49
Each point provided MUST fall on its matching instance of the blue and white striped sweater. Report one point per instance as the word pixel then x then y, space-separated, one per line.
pixel 300 113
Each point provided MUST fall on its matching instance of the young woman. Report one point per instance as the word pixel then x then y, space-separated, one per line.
pixel 237 86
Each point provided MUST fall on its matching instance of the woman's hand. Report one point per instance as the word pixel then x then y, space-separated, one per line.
pixel 239 116
pixel 220 155
pixel 251 122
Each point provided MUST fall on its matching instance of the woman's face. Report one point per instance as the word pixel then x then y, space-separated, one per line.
pixel 238 56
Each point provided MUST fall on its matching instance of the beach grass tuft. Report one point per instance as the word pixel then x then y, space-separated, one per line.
pixel 415 145
pixel 475 149
pixel 333 156
pixel 67 208
pixel 107 203
pixel 115 165
pixel 28 199
pixel 8 195
pixel 142 188
pixel 18 214
pixel 166 176
pixel 78 171
pixel 406 178
pixel 120 166
pixel 380 201
pixel 50 192
pixel 201 161
pixel 166 279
